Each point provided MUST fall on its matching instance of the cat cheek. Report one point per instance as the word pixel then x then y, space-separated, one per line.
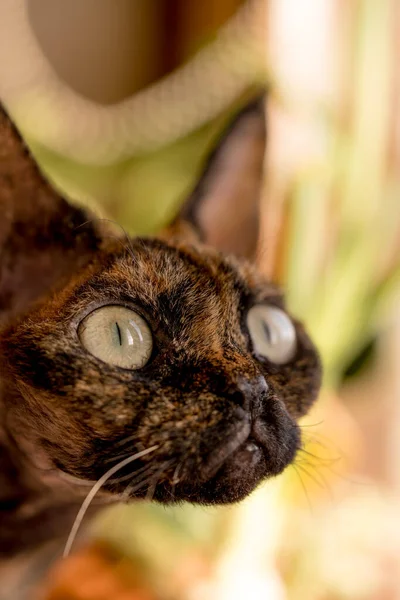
pixel 298 384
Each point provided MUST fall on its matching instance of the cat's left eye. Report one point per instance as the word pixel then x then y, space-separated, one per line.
pixel 272 332
pixel 118 336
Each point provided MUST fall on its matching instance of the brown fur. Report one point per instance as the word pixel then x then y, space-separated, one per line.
pixel 202 398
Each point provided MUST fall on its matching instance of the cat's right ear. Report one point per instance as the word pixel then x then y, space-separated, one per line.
pixel 42 237
pixel 224 206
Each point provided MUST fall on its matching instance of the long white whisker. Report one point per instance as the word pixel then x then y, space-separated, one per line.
pixel 86 503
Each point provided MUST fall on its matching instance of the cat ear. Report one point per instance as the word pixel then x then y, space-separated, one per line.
pixel 42 237
pixel 224 206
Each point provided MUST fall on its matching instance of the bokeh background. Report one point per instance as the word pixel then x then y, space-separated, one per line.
pixel 121 101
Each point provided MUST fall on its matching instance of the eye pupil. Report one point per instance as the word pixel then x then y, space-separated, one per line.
pixel 119 334
pixel 267 332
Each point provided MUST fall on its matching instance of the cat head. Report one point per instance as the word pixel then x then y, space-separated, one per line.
pixel 174 348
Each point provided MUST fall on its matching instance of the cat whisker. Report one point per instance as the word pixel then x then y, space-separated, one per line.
pixel 118 457
pixel 314 478
pixel 135 485
pixel 327 463
pixel 310 425
pixel 132 488
pixel 130 475
pixel 303 486
pixel 97 486
pixel 327 446
pixel 317 463
pixel 320 459
pixel 320 439
pixel 126 440
pixel 175 477
pixel 151 490
pixel 123 454
pixel 76 480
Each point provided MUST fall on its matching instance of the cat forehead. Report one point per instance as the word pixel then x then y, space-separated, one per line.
pixel 155 270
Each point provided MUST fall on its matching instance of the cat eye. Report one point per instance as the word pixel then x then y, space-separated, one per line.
pixel 118 336
pixel 272 332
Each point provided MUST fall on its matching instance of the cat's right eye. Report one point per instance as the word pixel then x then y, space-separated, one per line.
pixel 118 336
pixel 272 332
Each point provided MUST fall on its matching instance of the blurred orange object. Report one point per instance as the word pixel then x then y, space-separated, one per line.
pixel 95 573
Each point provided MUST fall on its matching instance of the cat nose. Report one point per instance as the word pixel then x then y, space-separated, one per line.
pixel 250 393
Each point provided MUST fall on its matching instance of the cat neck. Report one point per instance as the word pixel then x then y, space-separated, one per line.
pixel 37 504
pixel 30 512
pixel 35 521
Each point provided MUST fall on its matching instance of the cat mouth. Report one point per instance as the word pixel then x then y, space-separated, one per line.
pixel 260 451
pixel 256 447
pixel 257 439
pixel 220 455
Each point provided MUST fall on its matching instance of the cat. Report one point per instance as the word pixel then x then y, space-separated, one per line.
pixel 169 358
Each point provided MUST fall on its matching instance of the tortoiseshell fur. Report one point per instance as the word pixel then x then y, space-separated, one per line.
pixel 203 397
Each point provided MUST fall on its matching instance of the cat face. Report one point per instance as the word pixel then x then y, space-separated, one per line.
pixel 169 345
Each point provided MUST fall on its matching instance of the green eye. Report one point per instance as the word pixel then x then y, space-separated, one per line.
pixel 118 336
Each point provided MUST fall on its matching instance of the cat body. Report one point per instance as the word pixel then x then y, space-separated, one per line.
pixel 114 347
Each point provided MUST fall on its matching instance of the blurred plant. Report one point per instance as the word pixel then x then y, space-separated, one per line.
pixel 334 206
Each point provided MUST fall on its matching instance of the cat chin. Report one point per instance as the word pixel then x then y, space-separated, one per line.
pixel 237 478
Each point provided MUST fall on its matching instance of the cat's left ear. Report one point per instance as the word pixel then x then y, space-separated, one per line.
pixel 224 207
